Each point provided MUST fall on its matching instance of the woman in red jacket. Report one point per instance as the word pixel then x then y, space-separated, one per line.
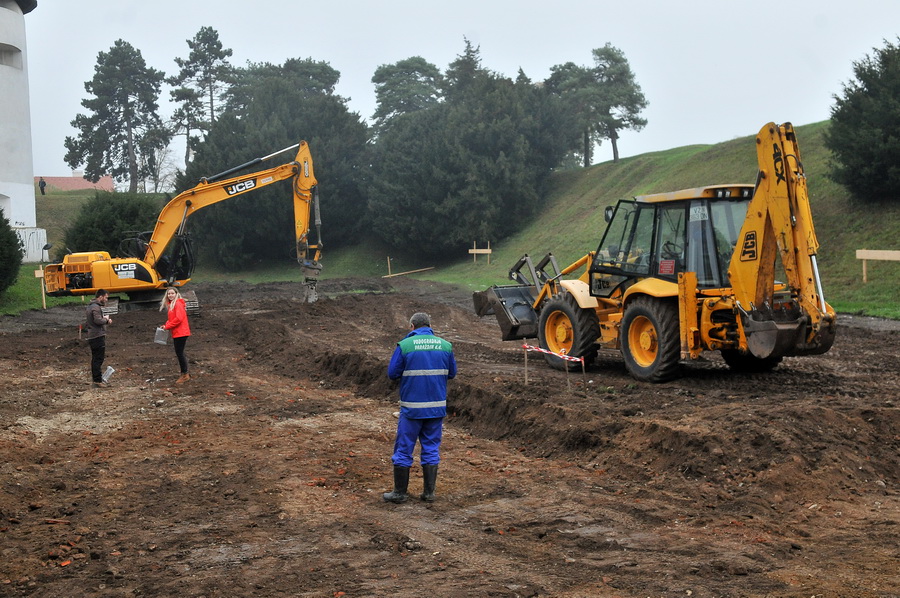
pixel 177 323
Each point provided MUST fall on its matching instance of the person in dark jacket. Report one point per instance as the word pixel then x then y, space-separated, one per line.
pixel 423 362
pixel 177 323
pixel 95 324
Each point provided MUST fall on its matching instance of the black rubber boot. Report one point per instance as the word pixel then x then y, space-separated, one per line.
pixel 429 474
pixel 401 483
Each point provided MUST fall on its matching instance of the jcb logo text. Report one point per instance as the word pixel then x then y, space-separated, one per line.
pixel 748 247
pixel 240 187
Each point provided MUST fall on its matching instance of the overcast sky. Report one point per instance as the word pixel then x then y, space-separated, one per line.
pixel 711 70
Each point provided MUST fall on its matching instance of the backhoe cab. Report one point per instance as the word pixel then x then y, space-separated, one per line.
pixel 680 273
pixel 154 260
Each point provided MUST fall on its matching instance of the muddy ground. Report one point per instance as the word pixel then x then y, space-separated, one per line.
pixel 263 475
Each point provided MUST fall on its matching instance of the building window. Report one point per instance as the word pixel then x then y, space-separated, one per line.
pixel 10 56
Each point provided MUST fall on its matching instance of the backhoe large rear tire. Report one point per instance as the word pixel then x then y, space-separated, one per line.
pixel 566 328
pixel 650 339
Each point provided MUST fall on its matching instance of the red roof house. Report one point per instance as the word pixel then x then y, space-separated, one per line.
pixel 73 183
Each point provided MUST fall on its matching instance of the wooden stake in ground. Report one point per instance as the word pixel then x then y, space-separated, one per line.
pixel 525 349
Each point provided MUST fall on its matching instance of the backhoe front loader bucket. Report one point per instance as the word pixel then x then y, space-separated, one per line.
pixel 512 305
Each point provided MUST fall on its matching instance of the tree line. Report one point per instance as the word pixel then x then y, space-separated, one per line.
pixel 450 156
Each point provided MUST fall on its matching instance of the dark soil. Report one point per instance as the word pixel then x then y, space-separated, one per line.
pixel 262 476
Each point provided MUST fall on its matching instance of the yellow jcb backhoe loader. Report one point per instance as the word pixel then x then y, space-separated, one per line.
pixel 165 256
pixel 680 273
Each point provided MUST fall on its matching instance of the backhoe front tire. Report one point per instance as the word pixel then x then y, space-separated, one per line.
pixel 565 327
pixel 651 340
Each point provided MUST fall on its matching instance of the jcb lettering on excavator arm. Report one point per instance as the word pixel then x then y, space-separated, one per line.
pixel 748 247
pixel 240 187
pixel 778 164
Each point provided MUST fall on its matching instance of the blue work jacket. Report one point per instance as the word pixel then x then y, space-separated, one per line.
pixel 423 362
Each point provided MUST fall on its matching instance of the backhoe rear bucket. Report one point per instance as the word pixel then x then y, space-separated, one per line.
pixel 768 338
pixel 786 331
pixel 512 307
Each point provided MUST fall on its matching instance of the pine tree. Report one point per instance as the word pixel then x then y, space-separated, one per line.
pixel 865 121
pixel 200 84
pixel 123 122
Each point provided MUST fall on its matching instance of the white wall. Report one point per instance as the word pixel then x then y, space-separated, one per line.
pixel 33 241
pixel 16 166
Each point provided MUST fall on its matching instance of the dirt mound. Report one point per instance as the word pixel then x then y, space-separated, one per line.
pixel 263 475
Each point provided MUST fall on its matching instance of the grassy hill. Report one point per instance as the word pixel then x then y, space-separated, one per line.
pixel 571 223
pixel 57 209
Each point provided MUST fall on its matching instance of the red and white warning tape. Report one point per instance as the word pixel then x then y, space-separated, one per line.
pixel 560 355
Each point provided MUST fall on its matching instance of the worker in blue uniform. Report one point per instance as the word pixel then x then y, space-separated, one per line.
pixel 423 362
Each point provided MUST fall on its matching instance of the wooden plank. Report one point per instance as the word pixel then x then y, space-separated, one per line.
pixel 408 272
pixel 476 252
pixel 878 254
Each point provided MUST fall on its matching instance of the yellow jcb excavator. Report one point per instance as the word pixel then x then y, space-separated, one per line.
pixel 165 257
pixel 680 273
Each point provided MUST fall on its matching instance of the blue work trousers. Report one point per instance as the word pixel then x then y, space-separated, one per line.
pixel 427 432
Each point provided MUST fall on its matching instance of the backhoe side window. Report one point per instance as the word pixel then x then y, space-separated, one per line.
pixel 701 246
pixel 634 254
pixel 613 241
pixel 728 218
pixel 670 240
pixel 628 239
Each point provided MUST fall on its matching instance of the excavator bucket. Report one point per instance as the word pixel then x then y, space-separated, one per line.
pixel 785 332
pixel 768 338
pixel 512 305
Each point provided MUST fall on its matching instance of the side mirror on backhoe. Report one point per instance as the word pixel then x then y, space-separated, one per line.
pixel 608 212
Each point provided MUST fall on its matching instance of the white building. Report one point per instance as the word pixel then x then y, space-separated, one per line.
pixel 16 165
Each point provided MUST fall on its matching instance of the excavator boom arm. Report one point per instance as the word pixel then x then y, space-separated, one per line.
pixel 173 217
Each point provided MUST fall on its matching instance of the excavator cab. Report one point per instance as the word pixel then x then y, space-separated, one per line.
pixel 177 263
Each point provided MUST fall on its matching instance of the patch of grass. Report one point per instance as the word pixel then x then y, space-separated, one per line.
pixel 25 294
pixel 57 210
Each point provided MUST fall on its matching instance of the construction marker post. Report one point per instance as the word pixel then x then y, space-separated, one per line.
pixel 526 364
pixel 39 273
pixel 562 356
pixel 476 252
